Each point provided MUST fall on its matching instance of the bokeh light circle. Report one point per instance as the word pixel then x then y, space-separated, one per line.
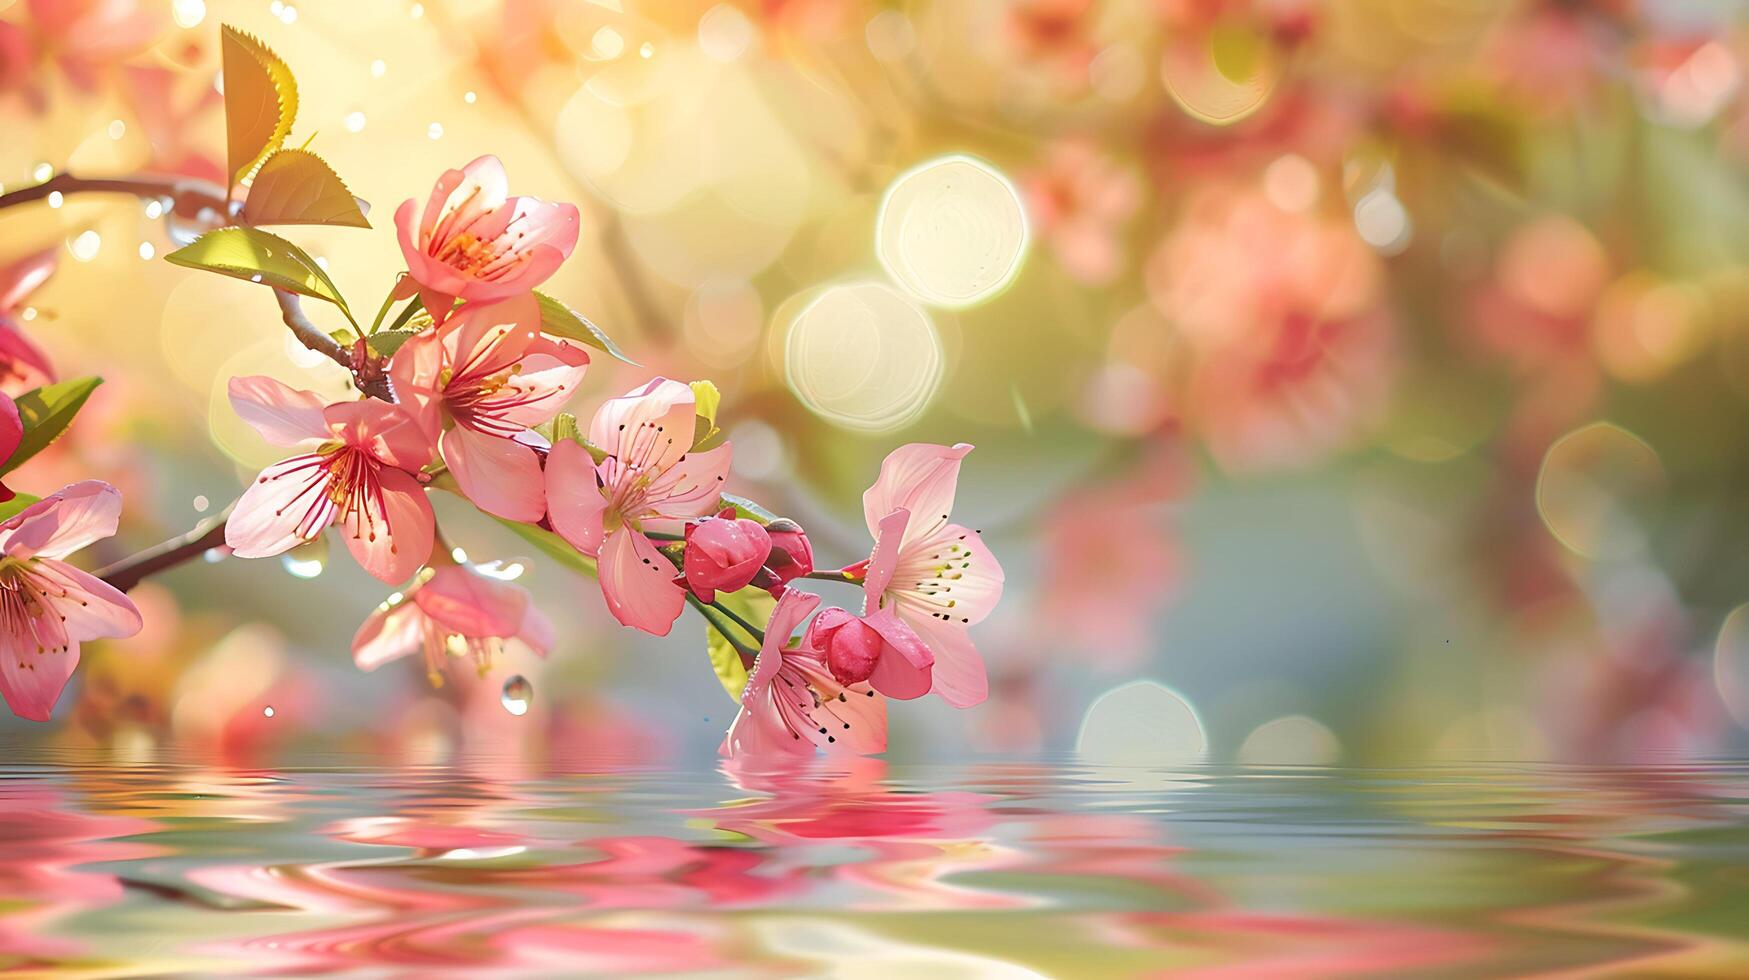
pixel 952 231
pixel 1293 740
pixel 1598 490
pixel 1220 76
pixel 863 355
pixel 1731 664
pixel 1142 723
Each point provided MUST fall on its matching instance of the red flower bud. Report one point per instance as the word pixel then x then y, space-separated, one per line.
pixel 792 554
pixel 723 553
pixel 851 647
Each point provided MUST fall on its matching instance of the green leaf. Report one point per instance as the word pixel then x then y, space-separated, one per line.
pixel 745 508
pixel 753 605
pixel 561 321
pixel 706 400
pixel 387 342
pixel 297 187
pixel 258 256
pixel 15 506
pixel 46 413
pixel 344 337
pixel 261 100
pixel 552 546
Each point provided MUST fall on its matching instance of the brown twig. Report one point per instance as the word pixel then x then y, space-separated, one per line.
pixel 129 572
pixel 198 199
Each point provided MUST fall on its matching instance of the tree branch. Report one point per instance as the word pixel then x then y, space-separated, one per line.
pixel 202 201
pixel 129 572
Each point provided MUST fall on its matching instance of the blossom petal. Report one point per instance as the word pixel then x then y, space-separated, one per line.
pixel 538 631
pixel 489 338
pixel 948 574
pixel 638 583
pixel 692 487
pixel 21 278
pixel 415 370
pixel 63 522
pixel 884 559
pixel 461 197
pixel 31 682
pixel 388 432
pixel 501 476
pixel 462 601
pixel 388 633
pixel 919 477
pixel 23 365
pixel 285 416
pixel 574 502
pixel 649 427
pixel 90 608
pixel 392 543
pixel 959 670
pixel 551 372
pixel 855 717
pixel 285 506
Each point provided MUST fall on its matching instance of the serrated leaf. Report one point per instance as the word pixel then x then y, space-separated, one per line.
pixel 747 509
pixel 753 605
pixel 261 100
pixel 561 321
pixel 297 187
pixel 387 342
pixel 258 256
pixel 552 546
pixel 46 413
pixel 17 504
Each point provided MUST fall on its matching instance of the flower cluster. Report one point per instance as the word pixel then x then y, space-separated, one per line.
pixel 477 389
pixel 463 390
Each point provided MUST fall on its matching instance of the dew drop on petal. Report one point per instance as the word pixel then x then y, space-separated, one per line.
pixel 267 711
pixel 518 692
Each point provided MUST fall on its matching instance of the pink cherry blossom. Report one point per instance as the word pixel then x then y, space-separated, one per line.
pixel 877 648
pixel 792 703
pixel 724 553
pixel 452 610
pixel 649 480
pixel 358 474
pixel 476 243
pixel 48 607
pixel 23 365
pixel 932 576
pixel 491 372
pixel 1081 200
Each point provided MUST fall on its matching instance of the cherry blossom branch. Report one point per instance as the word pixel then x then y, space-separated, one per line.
pixel 191 199
pixel 129 572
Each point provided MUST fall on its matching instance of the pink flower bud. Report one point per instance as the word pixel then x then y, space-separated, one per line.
pixel 723 553
pixel 792 554
pixel 851 647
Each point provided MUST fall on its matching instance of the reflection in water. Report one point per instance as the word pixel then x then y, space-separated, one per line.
pixel 1013 869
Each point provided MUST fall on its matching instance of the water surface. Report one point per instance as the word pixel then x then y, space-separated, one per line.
pixel 999 868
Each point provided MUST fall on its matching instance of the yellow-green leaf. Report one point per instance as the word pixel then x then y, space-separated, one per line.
pixel 753 605
pixel 561 321
pixel 18 503
pixel 46 413
pixel 296 187
pixel 746 509
pixel 387 342
pixel 553 546
pixel 258 256
pixel 261 100
pixel 706 400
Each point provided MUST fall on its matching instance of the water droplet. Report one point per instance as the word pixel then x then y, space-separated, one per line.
pixel 201 503
pixel 84 246
pixel 213 555
pixel 503 571
pixel 42 172
pixel 147 252
pixel 518 692
pixel 378 68
pixel 267 711
pixel 117 129
pixel 435 131
pixel 648 50
pixel 354 121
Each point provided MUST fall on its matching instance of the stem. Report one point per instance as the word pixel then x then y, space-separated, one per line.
pixel 710 614
pixel 833 576
pixel 190 198
pixel 753 631
pixel 129 572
